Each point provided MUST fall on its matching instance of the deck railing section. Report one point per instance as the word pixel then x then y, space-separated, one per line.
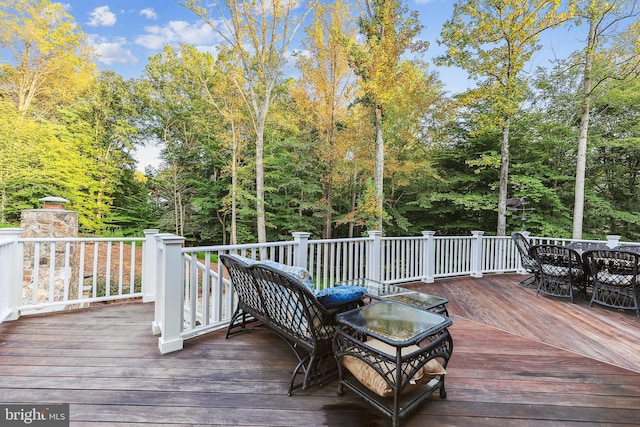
pixel 402 259
pixel 454 256
pixel 331 261
pixel 51 274
pixel 499 255
pixel 208 295
pixel 192 275
pixel 54 274
pixel 80 271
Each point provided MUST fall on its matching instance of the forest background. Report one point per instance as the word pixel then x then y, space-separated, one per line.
pixel 365 137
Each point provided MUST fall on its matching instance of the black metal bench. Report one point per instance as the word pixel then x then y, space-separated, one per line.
pixel 269 298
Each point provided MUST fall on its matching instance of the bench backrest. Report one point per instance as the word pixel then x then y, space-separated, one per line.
pixel 279 300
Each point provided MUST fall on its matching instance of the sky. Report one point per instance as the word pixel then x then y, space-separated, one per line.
pixel 125 34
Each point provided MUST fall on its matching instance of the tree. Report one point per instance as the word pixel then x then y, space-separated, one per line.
pixel 410 129
pixel 601 63
pixel 328 85
pixel 103 125
pixel 40 158
pixel 51 63
pixel 388 35
pixel 259 33
pixel 612 193
pixel 172 107
pixel 216 79
pixel 493 40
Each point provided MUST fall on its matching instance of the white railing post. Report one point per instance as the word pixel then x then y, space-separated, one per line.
pixel 373 260
pixel 428 256
pixel 476 253
pixel 11 266
pixel 170 293
pixel 158 262
pixel 613 240
pixel 149 266
pixel 301 249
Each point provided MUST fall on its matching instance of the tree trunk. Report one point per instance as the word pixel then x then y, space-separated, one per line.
pixel 504 179
pixel 260 213
pixel 581 161
pixel 233 237
pixel 353 201
pixel 581 166
pixel 328 217
pixel 3 205
pixel 328 190
pixel 379 167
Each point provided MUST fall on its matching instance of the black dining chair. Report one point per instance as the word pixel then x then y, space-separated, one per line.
pixel 582 246
pixel 628 248
pixel 527 262
pixel 561 270
pixel 614 275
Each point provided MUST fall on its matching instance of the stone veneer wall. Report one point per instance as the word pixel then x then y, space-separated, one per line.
pixel 49 223
pixel 46 223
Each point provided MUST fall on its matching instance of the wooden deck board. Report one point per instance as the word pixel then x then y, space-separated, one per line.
pixel 604 334
pixel 518 360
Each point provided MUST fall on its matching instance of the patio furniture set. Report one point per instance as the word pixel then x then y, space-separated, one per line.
pixel 387 344
pixel 605 276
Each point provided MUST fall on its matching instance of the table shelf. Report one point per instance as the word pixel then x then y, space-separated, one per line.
pixel 408 401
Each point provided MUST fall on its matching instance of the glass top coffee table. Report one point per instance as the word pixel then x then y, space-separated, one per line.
pixel 408 338
pixel 396 324
pixel 384 291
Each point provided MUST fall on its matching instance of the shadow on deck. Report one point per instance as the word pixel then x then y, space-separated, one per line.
pixel 518 360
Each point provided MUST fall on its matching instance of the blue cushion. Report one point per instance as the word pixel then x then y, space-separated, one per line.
pixel 333 297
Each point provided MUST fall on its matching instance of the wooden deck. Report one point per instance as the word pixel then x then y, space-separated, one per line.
pixel 519 360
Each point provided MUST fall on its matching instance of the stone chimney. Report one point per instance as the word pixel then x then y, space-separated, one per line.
pixel 53 220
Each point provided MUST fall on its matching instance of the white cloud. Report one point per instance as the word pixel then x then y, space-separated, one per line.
pixel 175 32
pixel 102 17
pixel 112 52
pixel 210 48
pixel 149 13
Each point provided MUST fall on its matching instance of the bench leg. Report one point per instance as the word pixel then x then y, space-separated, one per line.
pixel 239 321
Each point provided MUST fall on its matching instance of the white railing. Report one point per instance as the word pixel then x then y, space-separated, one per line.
pixel 330 261
pixel 54 274
pixel 454 257
pixel 51 274
pixel 193 275
pixel 402 259
pixel 499 255
pixel 208 295
pixel 10 274
pixel 78 271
